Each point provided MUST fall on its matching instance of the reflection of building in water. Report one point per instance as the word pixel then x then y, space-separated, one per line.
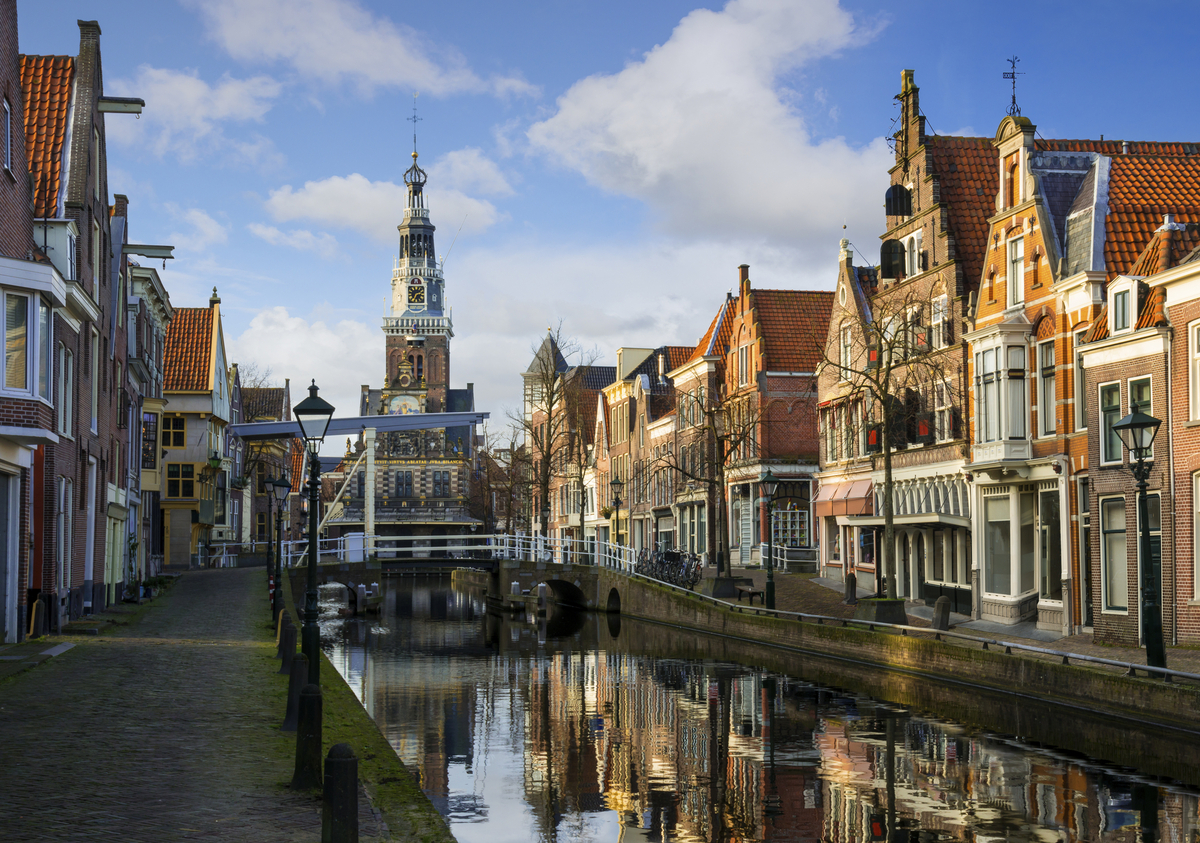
pixel 690 751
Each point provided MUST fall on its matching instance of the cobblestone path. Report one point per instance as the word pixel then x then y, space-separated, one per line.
pixel 165 729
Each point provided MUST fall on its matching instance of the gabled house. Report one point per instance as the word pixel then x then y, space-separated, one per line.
pixel 265 461
pixel 193 432
pixel 83 525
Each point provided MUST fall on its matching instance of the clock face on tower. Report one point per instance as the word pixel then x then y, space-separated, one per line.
pixel 416 294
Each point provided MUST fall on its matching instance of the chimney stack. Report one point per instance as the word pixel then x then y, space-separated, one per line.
pixel 744 279
pixel 662 365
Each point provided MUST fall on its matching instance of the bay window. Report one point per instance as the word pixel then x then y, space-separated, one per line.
pixel 16 341
pixel 28 345
pixel 989 395
pixel 1017 391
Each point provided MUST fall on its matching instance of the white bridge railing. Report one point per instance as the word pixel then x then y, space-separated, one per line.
pixel 358 548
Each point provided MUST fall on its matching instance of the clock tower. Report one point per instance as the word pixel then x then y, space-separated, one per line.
pixel 418 328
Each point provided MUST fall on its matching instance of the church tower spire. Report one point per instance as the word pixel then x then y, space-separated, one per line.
pixel 418 328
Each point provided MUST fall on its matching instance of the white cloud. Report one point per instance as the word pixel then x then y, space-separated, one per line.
pixel 323 244
pixel 336 41
pixel 469 170
pixel 186 115
pixel 374 208
pixel 702 131
pixel 203 231
pixel 339 355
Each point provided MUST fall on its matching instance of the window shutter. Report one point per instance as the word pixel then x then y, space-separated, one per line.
pixel 874 438
pixel 891 259
pixel 897 202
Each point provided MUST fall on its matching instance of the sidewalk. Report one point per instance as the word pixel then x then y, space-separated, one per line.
pixel 163 729
pixel 818 596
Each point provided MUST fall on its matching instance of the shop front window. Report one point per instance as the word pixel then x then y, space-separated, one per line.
pixel 997 545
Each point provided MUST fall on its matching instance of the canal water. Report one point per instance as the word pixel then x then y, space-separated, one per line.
pixel 528 729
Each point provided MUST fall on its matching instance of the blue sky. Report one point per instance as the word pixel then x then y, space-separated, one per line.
pixel 609 164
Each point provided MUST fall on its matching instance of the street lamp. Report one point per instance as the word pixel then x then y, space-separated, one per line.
pixel 313 415
pixel 280 488
pixel 616 485
pixel 769 484
pixel 1137 431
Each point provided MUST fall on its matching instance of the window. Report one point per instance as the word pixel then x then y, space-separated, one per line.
pixel 16 341
pixel 7 137
pixel 1139 400
pixel 1080 383
pixel 1120 314
pixel 174 432
pixel 95 374
pixel 1017 392
pixel 939 336
pixel 149 440
pixel 219 502
pixel 45 346
pixel 914 258
pixel 404 484
pixel 66 365
pixel 1114 561
pixel 95 252
pixel 1154 521
pixel 1047 417
pixel 1110 414
pixel 743 365
pixel 1085 543
pixel 441 484
pixel 181 480
pixel 260 526
pixel 988 395
pixel 997 544
pixel 847 359
pixel 66 531
pixel 72 245
pixel 1016 271
pixel 943 422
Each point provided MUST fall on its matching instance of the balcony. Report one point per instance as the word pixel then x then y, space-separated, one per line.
pixel 1002 458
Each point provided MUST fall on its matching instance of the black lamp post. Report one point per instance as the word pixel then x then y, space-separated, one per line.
pixel 769 484
pixel 313 415
pixel 280 489
pixel 1137 431
pixel 616 485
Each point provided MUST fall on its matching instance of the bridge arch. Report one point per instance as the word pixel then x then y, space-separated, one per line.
pixel 613 604
pixel 567 593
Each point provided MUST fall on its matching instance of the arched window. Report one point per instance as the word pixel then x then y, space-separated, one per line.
pixel 897 202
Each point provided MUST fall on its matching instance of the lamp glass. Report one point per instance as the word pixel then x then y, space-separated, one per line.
pixel 313 415
pixel 769 483
pixel 1137 431
pixel 616 485
pixel 281 488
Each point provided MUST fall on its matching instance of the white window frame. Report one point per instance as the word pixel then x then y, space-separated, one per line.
pixel 1120 317
pixel 95 375
pixel 1104 561
pixel 66 390
pixel 912 254
pixel 1047 403
pixel 943 411
pixel 7 152
pixel 847 352
pixel 1016 271
pixel 1120 455
pixel 939 316
pixel 39 346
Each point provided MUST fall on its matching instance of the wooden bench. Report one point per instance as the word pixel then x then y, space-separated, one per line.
pixel 750 591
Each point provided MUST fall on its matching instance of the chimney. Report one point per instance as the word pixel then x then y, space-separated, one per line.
pixel 662 366
pixel 120 205
pixel 744 279
pixel 214 300
pixel 1124 147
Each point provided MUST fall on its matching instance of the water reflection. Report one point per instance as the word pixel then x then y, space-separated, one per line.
pixel 533 728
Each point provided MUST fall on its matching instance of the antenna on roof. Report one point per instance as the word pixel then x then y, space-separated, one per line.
pixel 1014 110
pixel 414 119
pixel 455 240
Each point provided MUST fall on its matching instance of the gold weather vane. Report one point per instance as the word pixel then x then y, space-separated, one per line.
pixel 1013 110
pixel 414 120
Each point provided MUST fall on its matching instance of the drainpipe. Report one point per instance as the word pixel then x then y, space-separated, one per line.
pixel 1171 481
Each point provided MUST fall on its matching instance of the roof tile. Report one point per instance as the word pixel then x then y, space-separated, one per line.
pixel 188 350
pixel 793 325
pixel 46 88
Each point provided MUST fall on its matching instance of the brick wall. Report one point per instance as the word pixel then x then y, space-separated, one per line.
pixel 1185 454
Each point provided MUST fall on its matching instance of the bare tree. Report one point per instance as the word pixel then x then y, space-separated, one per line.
pixel 556 392
pixel 501 492
pixel 897 375
pixel 716 433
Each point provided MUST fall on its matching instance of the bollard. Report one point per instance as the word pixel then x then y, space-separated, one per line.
pixel 360 600
pixel 289 650
pixel 851 589
pixel 283 627
pixel 308 740
pixel 37 619
pixel 280 619
pixel 941 613
pixel 296 683
pixel 339 809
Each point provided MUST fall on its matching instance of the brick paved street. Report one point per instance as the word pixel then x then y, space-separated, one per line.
pixel 163 729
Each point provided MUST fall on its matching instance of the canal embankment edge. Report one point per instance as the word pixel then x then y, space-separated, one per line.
pixel 392 788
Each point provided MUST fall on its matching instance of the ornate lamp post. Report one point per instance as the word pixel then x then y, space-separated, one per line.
pixel 313 415
pixel 1137 431
pixel 280 488
pixel 770 483
pixel 616 485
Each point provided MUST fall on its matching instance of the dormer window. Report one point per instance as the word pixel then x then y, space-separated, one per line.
pixel 1120 314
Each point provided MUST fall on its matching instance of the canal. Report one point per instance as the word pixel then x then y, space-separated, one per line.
pixel 573 729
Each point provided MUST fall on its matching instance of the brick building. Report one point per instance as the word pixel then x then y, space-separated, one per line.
pixel 81 524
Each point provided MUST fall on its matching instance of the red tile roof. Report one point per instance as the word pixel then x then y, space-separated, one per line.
pixel 710 345
pixel 296 472
pixel 677 355
pixel 264 403
pixel 187 355
pixel 794 325
pixel 968 179
pixel 1142 188
pixel 1167 248
pixel 46 88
